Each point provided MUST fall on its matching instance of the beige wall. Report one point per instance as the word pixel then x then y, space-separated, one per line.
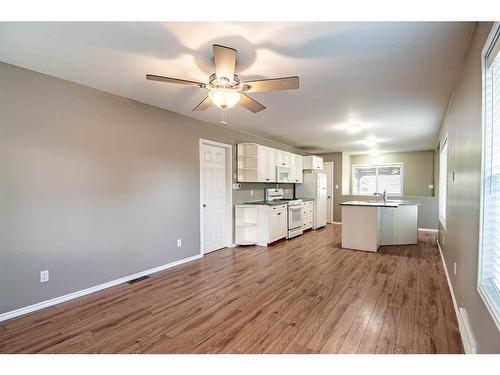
pixel 94 186
pixel 460 239
pixel 418 169
pixel 421 166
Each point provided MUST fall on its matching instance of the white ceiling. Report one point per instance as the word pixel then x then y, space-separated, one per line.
pixel 395 79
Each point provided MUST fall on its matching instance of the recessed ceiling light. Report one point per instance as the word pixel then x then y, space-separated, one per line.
pixel 374 152
pixel 353 128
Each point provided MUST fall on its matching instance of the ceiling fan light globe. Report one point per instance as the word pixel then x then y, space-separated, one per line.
pixel 224 98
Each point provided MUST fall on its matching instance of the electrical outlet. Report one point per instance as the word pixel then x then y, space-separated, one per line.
pixel 179 242
pixel 336 187
pixel 454 268
pixel 44 276
pixel 431 186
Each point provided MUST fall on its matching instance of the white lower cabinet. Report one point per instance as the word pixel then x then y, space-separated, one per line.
pixel 307 215
pixel 272 223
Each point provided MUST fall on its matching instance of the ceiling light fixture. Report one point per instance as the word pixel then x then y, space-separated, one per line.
pixel 370 143
pixel 224 98
pixel 374 152
pixel 353 128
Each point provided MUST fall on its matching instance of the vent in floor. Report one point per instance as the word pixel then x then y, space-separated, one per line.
pixel 137 280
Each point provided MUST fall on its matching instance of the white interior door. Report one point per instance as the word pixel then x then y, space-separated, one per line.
pixel 214 200
pixel 328 169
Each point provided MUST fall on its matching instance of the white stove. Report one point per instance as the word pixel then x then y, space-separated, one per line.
pixel 294 211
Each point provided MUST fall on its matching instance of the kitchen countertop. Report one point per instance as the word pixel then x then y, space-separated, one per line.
pixel 380 203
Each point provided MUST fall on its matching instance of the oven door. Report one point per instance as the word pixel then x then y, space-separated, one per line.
pixel 294 217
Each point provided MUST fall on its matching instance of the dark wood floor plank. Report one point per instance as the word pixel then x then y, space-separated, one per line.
pixel 306 295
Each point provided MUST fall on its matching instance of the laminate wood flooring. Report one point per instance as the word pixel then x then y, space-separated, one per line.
pixel 306 295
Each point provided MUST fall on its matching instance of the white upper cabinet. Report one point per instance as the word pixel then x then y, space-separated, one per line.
pixel 283 158
pixel 257 163
pixel 267 164
pixel 313 162
pixel 297 174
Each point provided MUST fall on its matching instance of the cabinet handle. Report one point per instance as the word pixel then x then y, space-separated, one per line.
pixel 267 179
pixel 279 213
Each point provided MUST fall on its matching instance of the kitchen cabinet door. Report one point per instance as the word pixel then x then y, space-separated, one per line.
pixel 267 169
pixel 277 225
pixel 282 158
pixel 313 162
pixel 263 156
pixel 297 173
pixel 271 165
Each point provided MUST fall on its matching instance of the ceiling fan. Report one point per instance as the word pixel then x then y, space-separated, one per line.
pixel 225 88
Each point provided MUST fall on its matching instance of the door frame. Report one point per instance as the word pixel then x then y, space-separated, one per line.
pixel 333 191
pixel 229 190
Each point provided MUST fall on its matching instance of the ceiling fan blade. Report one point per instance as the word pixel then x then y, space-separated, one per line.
pixel 225 61
pixel 204 104
pixel 250 104
pixel 153 77
pixel 274 84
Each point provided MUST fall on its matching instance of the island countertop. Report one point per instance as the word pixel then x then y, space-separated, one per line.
pixel 380 203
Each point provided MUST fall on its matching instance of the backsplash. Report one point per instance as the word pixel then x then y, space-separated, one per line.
pixel 245 193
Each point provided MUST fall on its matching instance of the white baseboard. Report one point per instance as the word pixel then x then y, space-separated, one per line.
pixel 463 322
pixel 337 222
pixel 428 230
pixel 54 301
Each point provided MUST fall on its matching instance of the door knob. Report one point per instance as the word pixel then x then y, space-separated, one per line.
pixel 204 205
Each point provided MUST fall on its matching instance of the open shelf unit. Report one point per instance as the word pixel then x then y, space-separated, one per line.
pixel 248 159
pixel 246 220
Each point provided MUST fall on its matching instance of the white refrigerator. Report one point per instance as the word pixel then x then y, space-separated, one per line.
pixel 314 187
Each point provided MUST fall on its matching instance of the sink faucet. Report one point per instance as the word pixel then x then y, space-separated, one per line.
pixel 383 195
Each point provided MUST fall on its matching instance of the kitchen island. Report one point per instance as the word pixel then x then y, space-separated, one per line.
pixel 367 225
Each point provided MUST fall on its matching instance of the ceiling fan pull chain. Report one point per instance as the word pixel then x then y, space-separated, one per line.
pixel 223 121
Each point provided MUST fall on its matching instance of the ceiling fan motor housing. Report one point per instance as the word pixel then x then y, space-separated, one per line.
pixel 224 82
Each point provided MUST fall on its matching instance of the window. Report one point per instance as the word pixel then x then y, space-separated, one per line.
pixel 443 181
pixel 489 253
pixel 368 179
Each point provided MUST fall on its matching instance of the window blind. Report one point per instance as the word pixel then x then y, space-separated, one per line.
pixel 443 181
pixel 490 230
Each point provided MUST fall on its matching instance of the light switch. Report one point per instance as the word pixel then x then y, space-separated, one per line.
pixel 431 186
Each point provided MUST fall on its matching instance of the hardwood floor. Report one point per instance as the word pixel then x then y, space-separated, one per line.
pixel 306 295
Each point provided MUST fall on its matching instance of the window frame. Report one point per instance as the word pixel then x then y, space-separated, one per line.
pixel 442 219
pixel 486 291
pixel 377 165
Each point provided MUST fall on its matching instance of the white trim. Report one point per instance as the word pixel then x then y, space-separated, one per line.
pixel 54 301
pixel 482 293
pixel 463 336
pixel 229 190
pixel 430 230
pixel 377 165
pixel 442 220
pixel 337 222
pixel 332 182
